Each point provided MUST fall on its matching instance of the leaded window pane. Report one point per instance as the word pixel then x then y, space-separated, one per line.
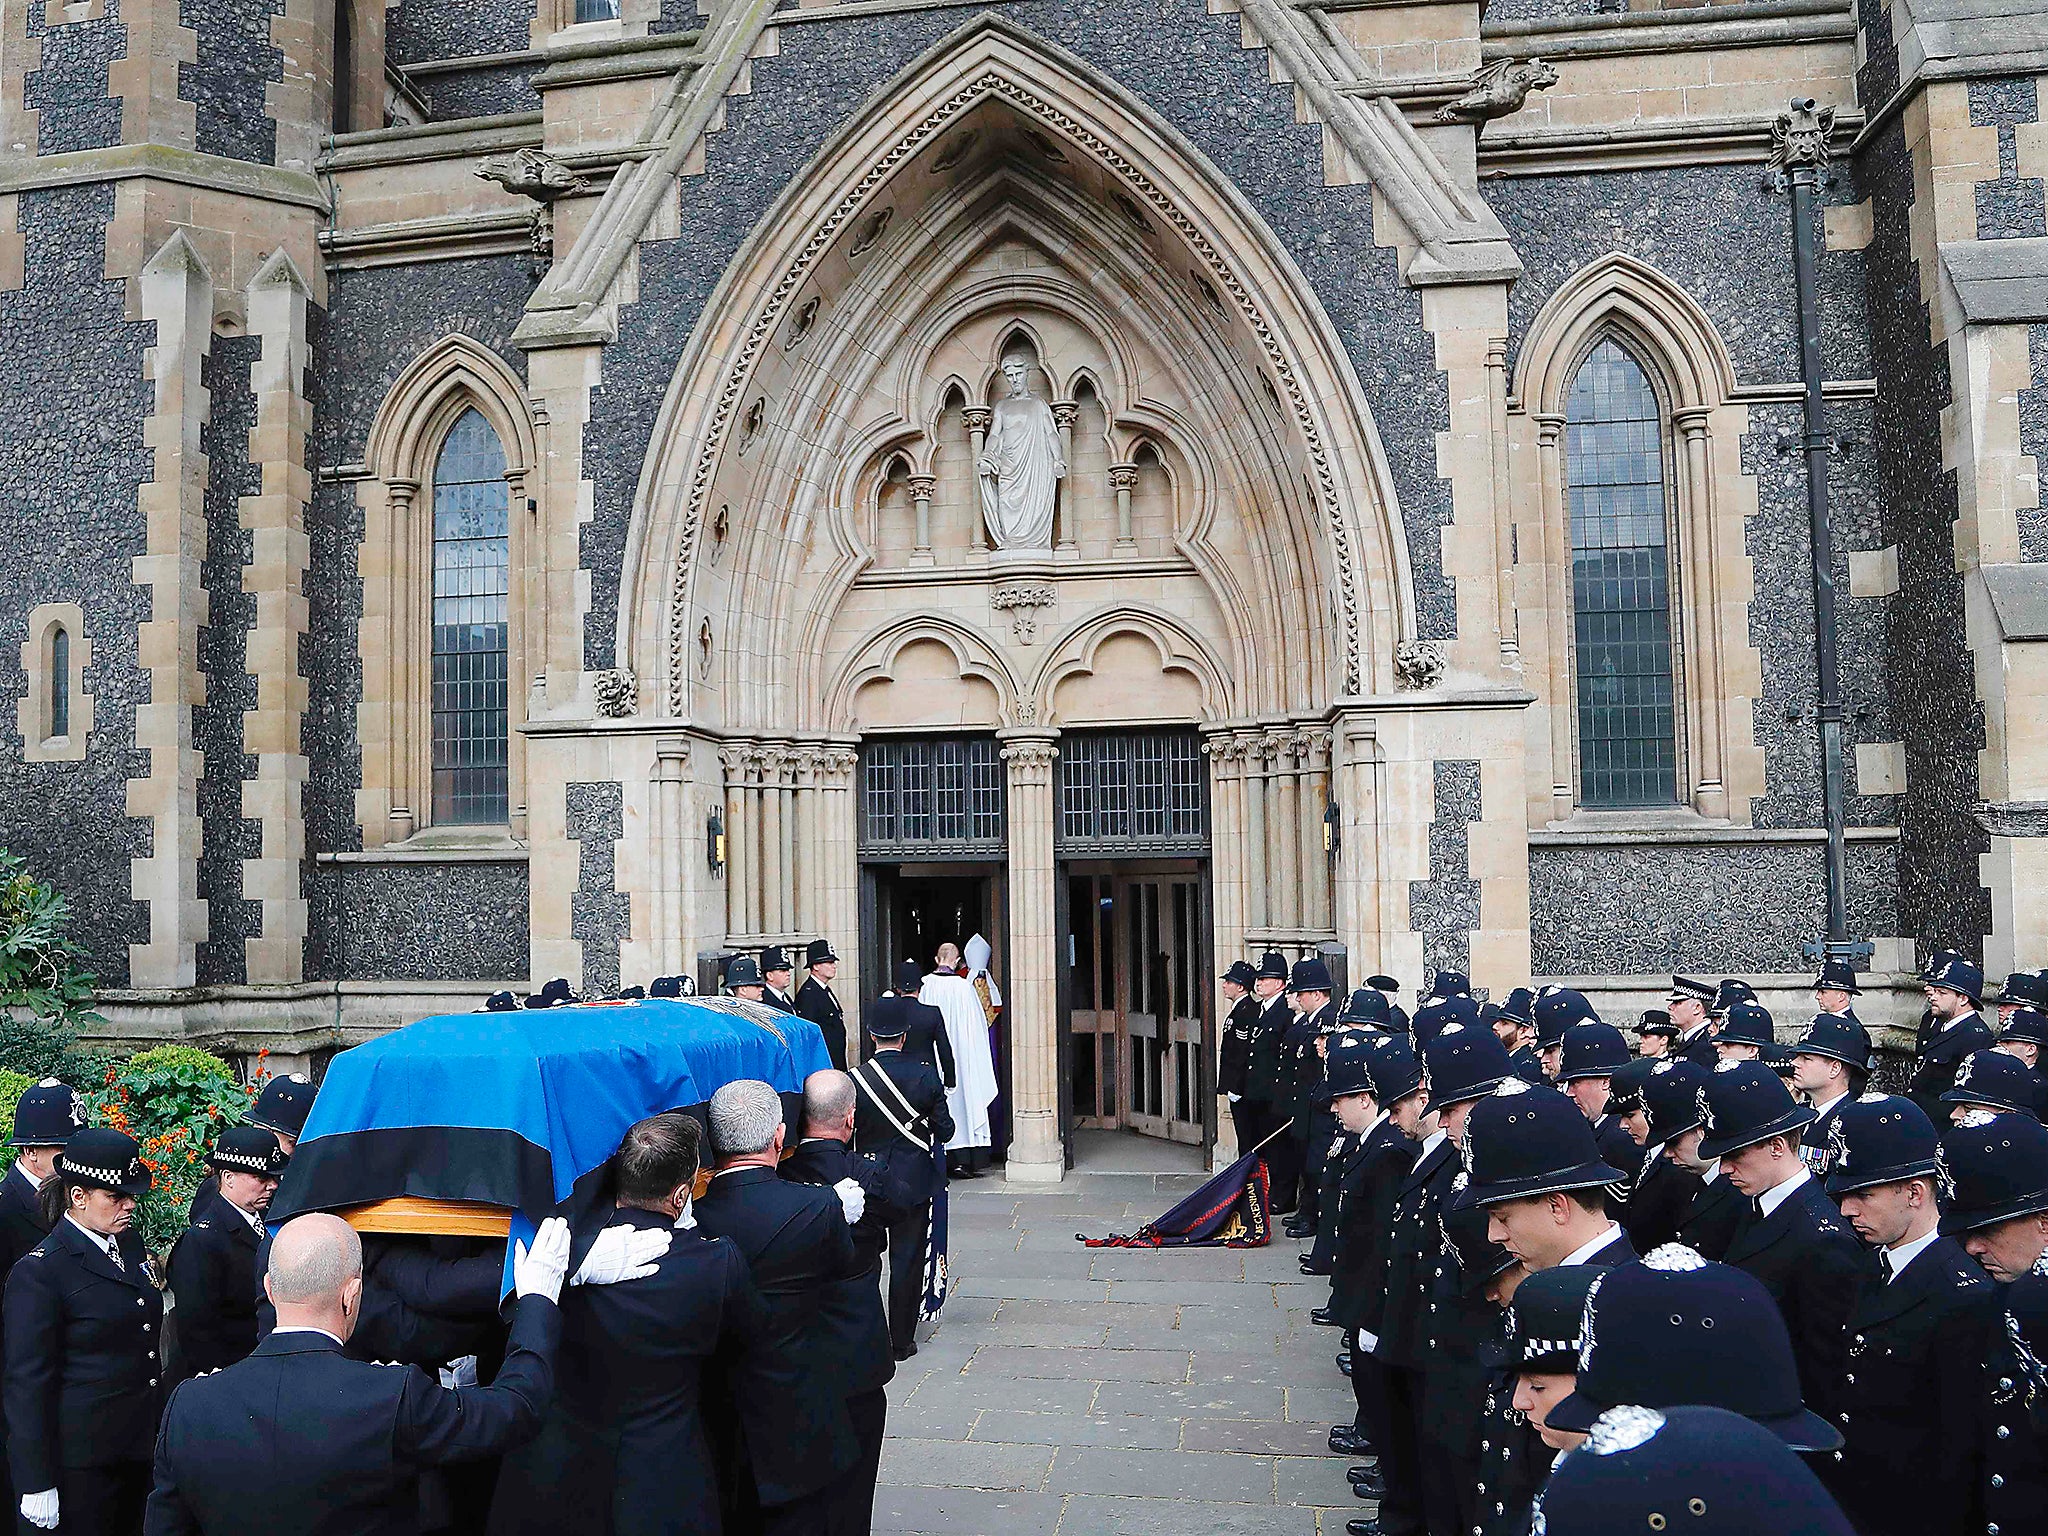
pixel 472 583
pixel 1131 792
pixel 931 796
pixel 1621 585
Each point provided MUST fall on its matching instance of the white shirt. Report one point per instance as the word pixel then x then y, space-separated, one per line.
pixel 1711 1172
pixel 1429 1144
pixel 321 1331
pixel 99 1240
pixel 1822 1106
pixel 1584 1252
pixel 1771 1199
pixel 1905 1253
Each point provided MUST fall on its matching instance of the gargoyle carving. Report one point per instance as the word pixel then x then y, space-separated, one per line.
pixel 531 174
pixel 1499 89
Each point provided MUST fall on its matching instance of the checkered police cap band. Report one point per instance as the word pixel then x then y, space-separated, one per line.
pixel 102 1175
pixel 248 1162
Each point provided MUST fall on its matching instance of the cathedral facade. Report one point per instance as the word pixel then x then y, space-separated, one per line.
pixel 503 489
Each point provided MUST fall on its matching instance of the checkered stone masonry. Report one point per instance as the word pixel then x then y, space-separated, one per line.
pixel 2034 441
pixel 1444 909
pixel 2009 207
pixel 599 913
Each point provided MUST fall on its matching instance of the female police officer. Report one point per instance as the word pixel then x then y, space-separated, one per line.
pixel 84 1328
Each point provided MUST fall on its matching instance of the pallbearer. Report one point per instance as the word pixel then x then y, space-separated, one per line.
pixel 901 1120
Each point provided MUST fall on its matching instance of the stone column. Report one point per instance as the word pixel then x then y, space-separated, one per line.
pixel 1503 501
pixel 1123 479
pixel 1357 897
pixel 406 788
pixel 921 488
pixel 977 418
pixel 1283 807
pixel 1315 800
pixel 839 879
pixel 1558 558
pixel 1257 905
pixel 773 872
pixel 1696 492
pixel 1032 996
pixel 739 863
pixel 804 851
pixel 1064 414
pixel 671 848
pixel 1226 841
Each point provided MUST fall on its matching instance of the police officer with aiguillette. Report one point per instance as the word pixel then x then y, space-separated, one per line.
pixel 1233 1065
pixel 816 1001
pixel 901 1114
pixel 1830 1065
pixel 84 1379
pixel 1916 1338
pixel 1999 1212
pixel 212 1272
pixel 1953 1030
pixel 45 1118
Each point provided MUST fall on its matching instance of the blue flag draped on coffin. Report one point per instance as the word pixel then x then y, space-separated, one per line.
pixel 522 1110
pixel 1231 1210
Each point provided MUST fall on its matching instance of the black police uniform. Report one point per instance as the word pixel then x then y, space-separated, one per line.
pixel 795 1438
pixel 781 1002
pixel 1323 1250
pixel 1717 1210
pixel 910 1161
pixel 1909 1393
pixel 21 1228
pixel 426 1301
pixel 212 1273
pixel 1366 1190
pixel 85 1378
pixel 624 1450
pixel 1233 1072
pixel 1813 1266
pixel 1618 1150
pixel 1658 1203
pixel 2012 1472
pixel 1513 1460
pixel 856 1326
pixel 1697 1048
pixel 816 1002
pixel 1813 1141
pixel 301 1440
pixel 1269 1085
pixel 1422 1481
pixel 1528 1065
pixel 1944 1051
pixel 924 1035
pixel 1322 1124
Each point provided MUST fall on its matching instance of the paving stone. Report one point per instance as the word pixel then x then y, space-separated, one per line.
pixel 1318 1480
pixel 964 1464
pixel 1043 1334
pixel 1033 1288
pixel 916 1421
pixel 1121 1365
pixel 1177 1474
pixel 1130 1431
pixel 964 1396
pixel 1319 1405
pixel 1091 1514
pixel 1196 1292
pixel 1202 1264
pixel 1112 1314
pixel 1192 1402
pixel 1268 1368
pixel 965 1512
pixel 1258 1437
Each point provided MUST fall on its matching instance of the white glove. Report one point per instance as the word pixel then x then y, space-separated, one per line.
pixel 852 1199
pixel 538 1270
pixel 621 1253
pixel 459 1372
pixel 1233 1097
pixel 40 1509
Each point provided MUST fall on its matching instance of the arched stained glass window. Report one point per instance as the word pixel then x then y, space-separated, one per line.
pixel 60 681
pixel 472 568
pixel 1621 585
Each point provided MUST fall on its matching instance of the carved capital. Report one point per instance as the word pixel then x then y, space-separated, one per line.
pixel 1030 753
pixel 1065 413
pixel 922 487
pixel 1022 602
pixel 977 418
pixel 1123 477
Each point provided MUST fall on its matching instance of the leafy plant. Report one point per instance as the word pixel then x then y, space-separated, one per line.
pixel 39 966
pixel 175 1100
pixel 12 1086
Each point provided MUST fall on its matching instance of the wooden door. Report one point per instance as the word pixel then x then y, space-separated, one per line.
pixel 1156 938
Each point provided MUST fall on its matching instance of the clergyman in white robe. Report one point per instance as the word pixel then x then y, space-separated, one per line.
pixel 974 1072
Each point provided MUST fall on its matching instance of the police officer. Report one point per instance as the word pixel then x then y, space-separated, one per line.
pixel 1953 987
pixel 1439 1384
pixel 1590 1056
pixel 1666 1189
pixel 1993 1080
pixel 2021 989
pixel 1791 1237
pixel 1747 1031
pixel 1718 1207
pixel 1537 1170
pixel 84 1326
pixel 924 1027
pixel 1365 1009
pixel 1835 990
pixel 1655 1032
pixel 1999 1212
pixel 1544 1341
pixel 45 1117
pixel 212 1272
pixel 1557 1010
pixel 1705 1471
pixel 743 978
pixel 1512 1459
pixel 816 1001
pixel 899 1118
pixel 1315 1127
pixel 1830 1065
pixel 1374 1087
pixel 1390 989
pixel 1917 1336
pixel 1675 1328
pixel 776 973
pixel 1234 1058
pixel 2023 1032
pixel 1687 1004
pixel 1516 1031
pixel 1268 1085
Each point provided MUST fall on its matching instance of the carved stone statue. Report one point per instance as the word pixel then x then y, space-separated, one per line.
pixel 1021 465
pixel 1498 90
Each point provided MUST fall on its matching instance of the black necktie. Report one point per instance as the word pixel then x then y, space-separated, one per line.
pixel 1884 1263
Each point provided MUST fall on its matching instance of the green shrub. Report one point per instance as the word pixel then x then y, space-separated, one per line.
pixel 175 1100
pixel 12 1086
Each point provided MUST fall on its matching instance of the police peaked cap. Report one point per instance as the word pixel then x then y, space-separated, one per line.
pixel 1383 983
pixel 1593 1050
pixel 1461 1062
pixel 1272 966
pixel 742 971
pixel 1733 990
pixel 1520 1006
pixel 1746 1104
pixel 1626 1083
pixel 889 1017
pixel 1522 1141
pixel 1310 975
pixel 553 995
pixel 1999 1170
pixel 819 952
pixel 1839 975
pixel 1949 969
pixel 249 1149
pixel 1448 984
pixel 1880 1139
pixel 1838 1037
pixel 1557 1009
pixel 283 1105
pixel 1366 1006
pixel 1672 1328
pixel 1686 989
pixel 1242 973
pixel 2029 989
pixel 1690 1471
pixel 1998 1080
pixel 1544 1319
pixel 501 1002
pixel 1656 1021
pixel 666 986
pixel 2025 1024
pixel 633 994
pixel 1748 1024
pixel 1434 1018
pixel 105 1159
pixel 47 1115
pixel 774 959
pixel 1672 1098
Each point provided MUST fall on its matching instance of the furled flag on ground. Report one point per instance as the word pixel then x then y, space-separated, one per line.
pixel 1230 1211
